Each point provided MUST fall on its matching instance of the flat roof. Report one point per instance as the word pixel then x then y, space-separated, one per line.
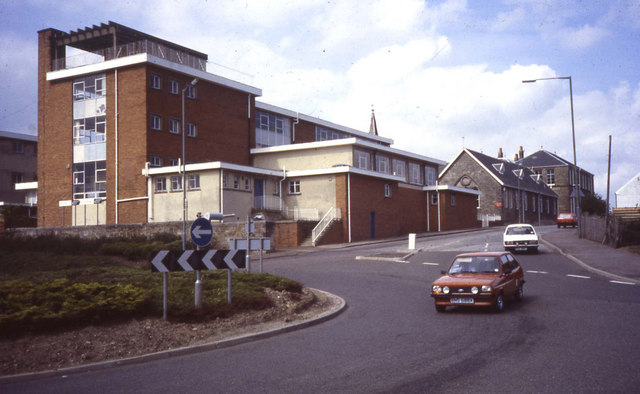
pixel 18 136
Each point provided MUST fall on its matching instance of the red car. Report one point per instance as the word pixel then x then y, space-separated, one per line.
pixel 567 219
pixel 484 279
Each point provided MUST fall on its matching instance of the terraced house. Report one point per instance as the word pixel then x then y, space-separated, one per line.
pixel 116 107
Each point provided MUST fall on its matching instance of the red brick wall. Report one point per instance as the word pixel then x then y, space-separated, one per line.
pixel 55 145
pixel 404 212
pixel 463 215
pixel 305 132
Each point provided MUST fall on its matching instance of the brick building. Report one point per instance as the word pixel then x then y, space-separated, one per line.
pixel 110 102
pixel 559 175
pixel 18 176
pixel 511 193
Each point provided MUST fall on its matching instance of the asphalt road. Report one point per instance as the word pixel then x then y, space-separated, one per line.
pixel 574 332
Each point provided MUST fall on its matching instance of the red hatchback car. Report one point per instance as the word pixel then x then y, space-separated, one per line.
pixel 479 279
pixel 567 219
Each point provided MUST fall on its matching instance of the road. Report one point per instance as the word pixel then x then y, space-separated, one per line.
pixel 573 332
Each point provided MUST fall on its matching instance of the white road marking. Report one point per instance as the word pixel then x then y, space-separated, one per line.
pixel 430 263
pixel 579 276
pixel 622 283
pixel 486 246
pixel 538 272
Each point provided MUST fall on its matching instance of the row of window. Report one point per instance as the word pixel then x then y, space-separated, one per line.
pixel 90 179
pixel 174 125
pixel 512 200
pixel 362 159
pixel 175 181
pixel 174 86
pixel 89 87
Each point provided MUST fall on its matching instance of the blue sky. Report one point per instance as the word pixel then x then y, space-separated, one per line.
pixel 440 74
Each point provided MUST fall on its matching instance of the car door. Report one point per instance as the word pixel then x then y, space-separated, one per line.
pixel 508 276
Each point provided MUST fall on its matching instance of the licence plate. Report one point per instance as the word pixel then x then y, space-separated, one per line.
pixel 521 248
pixel 462 300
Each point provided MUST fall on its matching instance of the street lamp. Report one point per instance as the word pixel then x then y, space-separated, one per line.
pixel 184 185
pixel 575 164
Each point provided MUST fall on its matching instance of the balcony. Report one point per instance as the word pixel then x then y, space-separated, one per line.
pixel 78 58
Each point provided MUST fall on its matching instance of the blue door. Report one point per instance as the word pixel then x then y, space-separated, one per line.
pixel 258 193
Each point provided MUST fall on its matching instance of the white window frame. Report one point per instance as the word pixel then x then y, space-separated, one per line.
pixel 174 86
pixel 382 164
pixel 399 167
pixel 192 130
pixel 17 147
pixel 191 92
pixel 155 161
pixel 551 177
pixel 429 176
pixel 156 81
pixel 294 187
pixel 156 122
pixel 387 190
pixel 176 183
pixel 194 182
pixel 160 185
pixel 414 174
pixel 362 159
pixel 174 126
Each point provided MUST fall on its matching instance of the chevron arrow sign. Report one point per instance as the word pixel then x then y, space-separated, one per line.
pixel 190 260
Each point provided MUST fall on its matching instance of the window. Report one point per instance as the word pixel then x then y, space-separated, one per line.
pixel 174 86
pixel 192 130
pixel 247 182
pixel 414 174
pixel 429 176
pixel 434 198
pixel 387 190
pixel 89 87
pixel 194 182
pixel 156 81
pixel 174 126
pixel 398 167
pixel 155 161
pixel 173 161
pixel 272 129
pixel 551 177
pixel 382 164
pixel 191 91
pixel 176 182
pixel 160 185
pixel 90 179
pixel 17 147
pixel 362 159
pixel 324 134
pixel 17 177
pixel 236 182
pixel 156 122
pixel 225 181
pixel 452 199
pixel 294 187
pixel 89 130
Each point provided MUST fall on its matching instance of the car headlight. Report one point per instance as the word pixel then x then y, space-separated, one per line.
pixel 436 289
pixel 486 289
pixel 445 290
pixel 474 290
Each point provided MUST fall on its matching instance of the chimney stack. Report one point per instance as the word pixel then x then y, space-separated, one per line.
pixel 521 153
pixel 500 153
pixel 515 157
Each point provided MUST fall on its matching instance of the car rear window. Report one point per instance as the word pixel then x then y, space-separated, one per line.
pixel 520 230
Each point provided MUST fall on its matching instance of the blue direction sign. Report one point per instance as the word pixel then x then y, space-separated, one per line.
pixel 201 232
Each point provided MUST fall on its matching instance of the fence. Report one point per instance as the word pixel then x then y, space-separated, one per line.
pixel 622 230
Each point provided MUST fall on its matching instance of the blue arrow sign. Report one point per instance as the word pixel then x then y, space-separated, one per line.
pixel 201 232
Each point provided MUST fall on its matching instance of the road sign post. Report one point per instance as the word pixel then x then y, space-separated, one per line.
pixel 201 235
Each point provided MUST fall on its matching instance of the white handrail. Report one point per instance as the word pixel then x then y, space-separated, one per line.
pixel 331 215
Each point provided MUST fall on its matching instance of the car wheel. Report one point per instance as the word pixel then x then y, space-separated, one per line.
pixel 441 308
pixel 520 293
pixel 498 306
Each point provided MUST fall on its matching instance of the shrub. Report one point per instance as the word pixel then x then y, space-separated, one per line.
pixel 25 306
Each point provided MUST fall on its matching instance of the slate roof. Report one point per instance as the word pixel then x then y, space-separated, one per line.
pixel 543 158
pixel 503 172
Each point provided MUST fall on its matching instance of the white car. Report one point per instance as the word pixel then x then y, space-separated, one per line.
pixel 519 237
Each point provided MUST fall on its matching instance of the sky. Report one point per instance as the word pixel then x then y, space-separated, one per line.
pixel 440 75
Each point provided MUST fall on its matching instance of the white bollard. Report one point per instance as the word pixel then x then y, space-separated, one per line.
pixel 412 241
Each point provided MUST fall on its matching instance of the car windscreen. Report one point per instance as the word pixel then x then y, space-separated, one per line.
pixel 520 230
pixel 475 264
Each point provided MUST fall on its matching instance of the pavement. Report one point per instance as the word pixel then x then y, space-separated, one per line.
pixel 615 264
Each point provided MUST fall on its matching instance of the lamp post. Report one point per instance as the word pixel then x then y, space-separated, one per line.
pixel 184 186
pixel 575 164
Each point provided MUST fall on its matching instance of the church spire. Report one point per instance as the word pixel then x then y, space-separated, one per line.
pixel 373 128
